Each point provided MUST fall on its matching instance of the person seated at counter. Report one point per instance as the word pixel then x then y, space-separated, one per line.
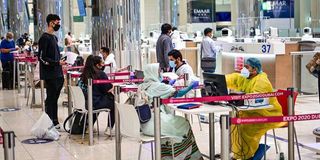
pixel 180 67
pixel 102 96
pixel 108 58
pixel 245 138
pixel 177 127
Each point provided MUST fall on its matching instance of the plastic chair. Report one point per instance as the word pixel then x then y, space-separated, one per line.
pixel 283 101
pixel 78 103
pixel 31 84
pixel 132 129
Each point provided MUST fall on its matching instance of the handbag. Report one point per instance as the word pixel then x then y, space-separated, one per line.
pixel 78 121
pixel 313 66
pixel 207 63
pixel 140 101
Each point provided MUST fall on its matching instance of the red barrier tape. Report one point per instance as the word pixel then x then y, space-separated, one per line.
pixel 224 98
pixel 255 120
pixel 119 74
pixel 75 67
pixel 129 89
pixel 73 75
pixel 26 59
pixel 117 81
pixel 107 65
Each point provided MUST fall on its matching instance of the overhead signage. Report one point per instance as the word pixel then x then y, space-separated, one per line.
pixel 201 11
pixel 278 8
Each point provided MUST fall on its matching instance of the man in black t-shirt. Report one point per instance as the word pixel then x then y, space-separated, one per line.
pixel 51 67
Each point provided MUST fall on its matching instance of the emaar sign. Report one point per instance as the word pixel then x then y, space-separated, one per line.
pixel 278 8
pixel 201 11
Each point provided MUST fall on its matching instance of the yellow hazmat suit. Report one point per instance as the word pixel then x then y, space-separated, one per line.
pixel 245 138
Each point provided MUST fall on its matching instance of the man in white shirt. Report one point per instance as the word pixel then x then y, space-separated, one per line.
pixel 208 47
pixel 108 59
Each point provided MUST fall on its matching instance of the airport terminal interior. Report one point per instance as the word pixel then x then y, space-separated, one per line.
pixel 160 79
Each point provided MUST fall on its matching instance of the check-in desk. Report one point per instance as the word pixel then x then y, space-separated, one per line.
pixel 274 56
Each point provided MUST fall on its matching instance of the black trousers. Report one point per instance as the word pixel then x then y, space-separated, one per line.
pixel 106 102
pixel 53 87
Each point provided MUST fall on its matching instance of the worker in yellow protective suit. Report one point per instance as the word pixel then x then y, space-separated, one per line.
pixel 245 138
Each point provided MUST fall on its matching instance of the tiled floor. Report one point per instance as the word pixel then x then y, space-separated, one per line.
pixel 67 148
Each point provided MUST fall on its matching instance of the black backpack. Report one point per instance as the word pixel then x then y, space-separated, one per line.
pixel 78 121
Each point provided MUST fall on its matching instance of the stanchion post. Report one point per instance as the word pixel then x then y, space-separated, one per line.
pixel 291 124
pixel 18 77
pixel 211 136
pixel 69 95
pixel 25 78
pixel 157 127
pixel 129 70
pixel 225 138
pixel 186 79
pixel 110 69
pixel 90 114
pixel 33 101
pixel 8 145
pixel 42 94
pixel 14 74
pixel 117 123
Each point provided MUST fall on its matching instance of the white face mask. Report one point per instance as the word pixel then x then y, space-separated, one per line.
pixel 245 72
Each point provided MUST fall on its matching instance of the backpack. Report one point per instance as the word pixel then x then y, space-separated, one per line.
pixel 78 121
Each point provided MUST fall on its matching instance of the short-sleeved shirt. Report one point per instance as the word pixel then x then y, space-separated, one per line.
pixel 5 44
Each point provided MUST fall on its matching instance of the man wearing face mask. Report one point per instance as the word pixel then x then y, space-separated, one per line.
pixel 164 46
pixel 6 47
pixel 179 66
pixel 252 80
pixel 51 67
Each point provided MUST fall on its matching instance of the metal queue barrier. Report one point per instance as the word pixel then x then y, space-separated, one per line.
pixel 225 127
pixel 8 145
pixel 90 106
pixel 225 123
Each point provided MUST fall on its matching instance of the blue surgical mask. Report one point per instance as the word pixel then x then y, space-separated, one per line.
pixel 245 72
pixel 172 64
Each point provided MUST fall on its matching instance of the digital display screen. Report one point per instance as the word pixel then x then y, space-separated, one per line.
pixel 278 8
pixel 223 16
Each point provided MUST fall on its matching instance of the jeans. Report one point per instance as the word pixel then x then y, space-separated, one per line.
pixel 53 87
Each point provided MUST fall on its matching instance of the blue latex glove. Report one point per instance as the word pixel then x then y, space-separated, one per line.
pixel 194 84
pixel 171 82
pixel 182 92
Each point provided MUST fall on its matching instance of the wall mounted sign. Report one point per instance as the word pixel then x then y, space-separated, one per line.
pixel 201 11
pixel 278 8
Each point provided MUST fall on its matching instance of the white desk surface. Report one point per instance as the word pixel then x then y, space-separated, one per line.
pixel 246 108
pixel 204 108
pixel 207 108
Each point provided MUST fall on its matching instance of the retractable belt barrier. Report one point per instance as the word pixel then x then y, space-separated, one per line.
pixel 117 81
pixel 272 119
pixel 226 121
pixel 224 98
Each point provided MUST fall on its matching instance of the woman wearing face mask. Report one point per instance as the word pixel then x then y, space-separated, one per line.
pixel 245 138
pixel 185 146
pixel 102 96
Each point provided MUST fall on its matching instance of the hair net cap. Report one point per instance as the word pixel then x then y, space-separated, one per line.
pixel 255 63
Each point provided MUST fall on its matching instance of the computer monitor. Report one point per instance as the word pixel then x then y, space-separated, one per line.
pixel 215 84
pixel 138 74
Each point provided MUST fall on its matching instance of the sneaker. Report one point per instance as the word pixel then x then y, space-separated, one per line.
pixel 107 132
pixel 57 126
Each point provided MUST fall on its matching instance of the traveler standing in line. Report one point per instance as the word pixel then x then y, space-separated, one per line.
pixel 208 51
pixel 51 67
pixel 6 47
pixel 164 46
